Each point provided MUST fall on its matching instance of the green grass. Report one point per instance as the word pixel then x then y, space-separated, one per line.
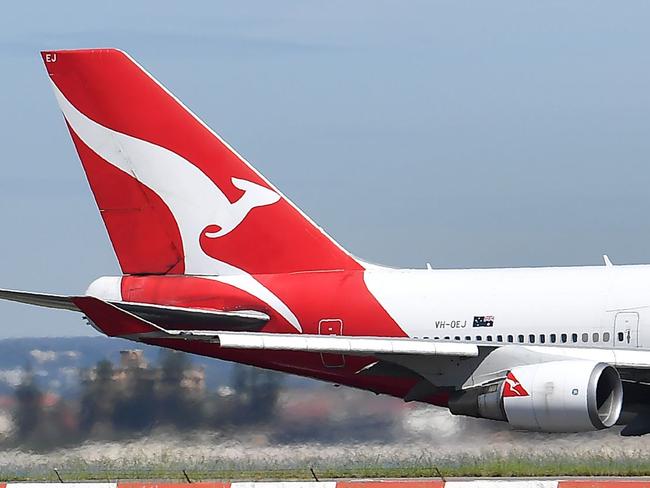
pixel 462 467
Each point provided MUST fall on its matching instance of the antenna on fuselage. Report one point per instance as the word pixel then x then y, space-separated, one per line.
pixel 607 261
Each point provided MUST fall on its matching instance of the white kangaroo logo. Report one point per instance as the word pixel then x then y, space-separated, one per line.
pixel 254 196
pixel 514 386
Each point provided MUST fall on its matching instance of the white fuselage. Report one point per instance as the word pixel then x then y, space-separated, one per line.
pixel 595 306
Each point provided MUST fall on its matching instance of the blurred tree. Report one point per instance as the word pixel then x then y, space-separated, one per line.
pixel 104 372
pixel 135 408
pixel 173 365
pixel 28 411
pixel 97 397
pixel 177 406
pixel 257 391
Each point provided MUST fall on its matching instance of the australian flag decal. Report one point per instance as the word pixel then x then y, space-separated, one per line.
pixel 483 321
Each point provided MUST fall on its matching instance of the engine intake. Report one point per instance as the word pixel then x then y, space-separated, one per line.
pixel 557 396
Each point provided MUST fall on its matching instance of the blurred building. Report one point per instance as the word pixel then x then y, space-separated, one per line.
pixel 133 366
pixel 132 358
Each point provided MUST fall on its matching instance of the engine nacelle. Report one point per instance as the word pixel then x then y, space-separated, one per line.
pixel 557 396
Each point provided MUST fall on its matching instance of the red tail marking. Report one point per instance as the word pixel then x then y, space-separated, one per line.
pixel 107 86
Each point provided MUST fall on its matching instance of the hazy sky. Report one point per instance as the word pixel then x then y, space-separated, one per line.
pixel 466 134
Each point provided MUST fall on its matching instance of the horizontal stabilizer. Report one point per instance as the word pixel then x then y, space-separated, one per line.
pixel 40 299
pixel 167 317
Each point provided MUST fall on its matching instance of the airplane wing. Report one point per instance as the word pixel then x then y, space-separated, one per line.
pixel 164 316
pixel 329 343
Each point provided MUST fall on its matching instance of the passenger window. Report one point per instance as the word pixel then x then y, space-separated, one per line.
pixel 425 337
pixel 595 337
pixel 520 338
pixel 499 338
pixel 553 338
pixel 531 338
pixel 564 338
pixel 585 337
pixel 542 339
pixel 574 337
pixel 479 338
pixel 511 338
pixel 621 337
pixel 468 338
pixel 489 338
pixel 436 338
pixel 605 336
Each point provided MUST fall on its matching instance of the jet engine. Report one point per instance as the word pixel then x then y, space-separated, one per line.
pixel 556 396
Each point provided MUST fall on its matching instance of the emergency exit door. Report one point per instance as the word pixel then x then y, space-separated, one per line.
pixel 331 327
pixel 626 330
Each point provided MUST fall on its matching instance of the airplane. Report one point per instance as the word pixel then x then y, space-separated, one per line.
pixel 216 261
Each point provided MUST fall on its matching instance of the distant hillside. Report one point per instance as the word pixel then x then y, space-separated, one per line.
pixel 56 362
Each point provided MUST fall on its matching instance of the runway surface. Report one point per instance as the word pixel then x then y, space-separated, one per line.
pixel 620 482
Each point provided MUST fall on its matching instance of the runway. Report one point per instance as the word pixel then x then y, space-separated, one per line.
pixel 568 482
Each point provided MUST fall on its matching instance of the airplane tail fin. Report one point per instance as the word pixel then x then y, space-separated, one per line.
pixel 175 198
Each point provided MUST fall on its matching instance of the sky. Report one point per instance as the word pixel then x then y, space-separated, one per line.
pixel 463 134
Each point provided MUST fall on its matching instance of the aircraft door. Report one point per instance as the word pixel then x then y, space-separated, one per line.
pixel 626 330
pixel 331 327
